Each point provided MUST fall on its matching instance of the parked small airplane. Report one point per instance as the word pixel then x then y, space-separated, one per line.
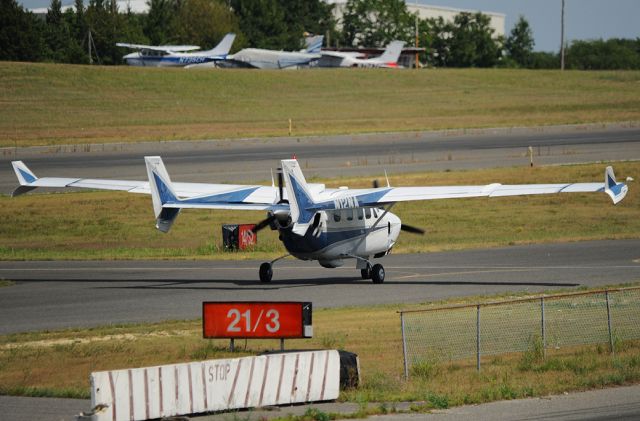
pixel 259 58
pixel 388 59
pixel 314 223
pixel 176 55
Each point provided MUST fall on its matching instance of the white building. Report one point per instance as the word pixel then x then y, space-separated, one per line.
pixel 427 11
pixel 136 6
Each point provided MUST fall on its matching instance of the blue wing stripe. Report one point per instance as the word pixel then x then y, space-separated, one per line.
pixel 237 196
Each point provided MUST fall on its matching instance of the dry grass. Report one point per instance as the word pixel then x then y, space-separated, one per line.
pixel 107 225
pixel 48 104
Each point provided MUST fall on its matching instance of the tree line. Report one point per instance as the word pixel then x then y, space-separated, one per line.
pixel 466 41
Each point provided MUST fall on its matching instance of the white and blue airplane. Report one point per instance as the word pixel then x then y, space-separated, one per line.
pixel 314 222
pixel 177 55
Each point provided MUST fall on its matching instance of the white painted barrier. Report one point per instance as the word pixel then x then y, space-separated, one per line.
pixel 215 385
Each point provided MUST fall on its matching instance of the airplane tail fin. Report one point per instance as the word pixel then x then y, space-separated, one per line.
pixel 223 48
pixel 616 191
pixel 392 53
pixel 300 197
pixel 161 193
pixel 313 44
pixel 25 178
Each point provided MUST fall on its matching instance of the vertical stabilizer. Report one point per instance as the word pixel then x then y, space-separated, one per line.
pixel 313 44
pixel 223 48
pixel 25 178
pixel 392 52
pixel 162 193
pixel 300 197
pixel 616 191
pixel 24 174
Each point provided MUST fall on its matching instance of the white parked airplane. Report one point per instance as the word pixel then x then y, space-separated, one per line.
pixel 176 55
pixel 259 58
pixel 388 59
pixel 314 223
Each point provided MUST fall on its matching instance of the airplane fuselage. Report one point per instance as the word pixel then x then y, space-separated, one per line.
pixel 344 233
pixel 150 59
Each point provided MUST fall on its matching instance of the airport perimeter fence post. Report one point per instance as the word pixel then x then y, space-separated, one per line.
pixel 544 337
pixel 606 295
pixel 478 337
pixel 404 347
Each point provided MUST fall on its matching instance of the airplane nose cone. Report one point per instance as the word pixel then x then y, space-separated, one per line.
pixel 396 223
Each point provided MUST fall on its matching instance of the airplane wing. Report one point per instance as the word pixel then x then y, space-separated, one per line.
pixel 346 199
pixel 221 196
pixel 166 48
pixel 339 54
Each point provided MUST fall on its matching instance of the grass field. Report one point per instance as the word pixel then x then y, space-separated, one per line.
pixel 58 363
pixel 107 225
pixel 48 104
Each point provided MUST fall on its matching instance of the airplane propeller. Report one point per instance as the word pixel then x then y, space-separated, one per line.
pixel 267 221
pixel 264 223
pixel 411 229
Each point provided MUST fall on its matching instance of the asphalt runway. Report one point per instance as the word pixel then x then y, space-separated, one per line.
pixel 55 295
pixel 251 160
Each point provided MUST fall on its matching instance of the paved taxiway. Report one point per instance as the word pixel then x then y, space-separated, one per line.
pixel 240 161
pixel 53 295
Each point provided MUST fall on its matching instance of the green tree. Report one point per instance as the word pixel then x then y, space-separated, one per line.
pixel 472 43
pixel 435 35
pixel 21 33
pixel 307 16
pixel 263 24
pixel 159 21
pixel 62 47
pixel 618 54
pixel 204 23
pixel 104 23
pixel 519 44
pixel 545 60
pixel 132 27
pixel 375 23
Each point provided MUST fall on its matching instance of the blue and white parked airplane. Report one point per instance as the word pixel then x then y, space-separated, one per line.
pixel 314 222
pixel 176 55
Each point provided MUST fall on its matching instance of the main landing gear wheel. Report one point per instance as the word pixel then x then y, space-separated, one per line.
pixel 366 272
pixel 266 272
pixel 377 274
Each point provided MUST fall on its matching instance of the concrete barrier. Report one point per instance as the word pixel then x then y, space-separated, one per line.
pixel 215 385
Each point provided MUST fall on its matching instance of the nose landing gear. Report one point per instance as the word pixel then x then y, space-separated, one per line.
pixel 375 272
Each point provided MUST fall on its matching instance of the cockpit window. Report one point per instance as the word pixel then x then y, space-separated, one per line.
pixel 336 216
pixel 367 213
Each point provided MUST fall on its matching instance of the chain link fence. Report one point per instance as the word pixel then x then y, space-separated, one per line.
pixel 550 322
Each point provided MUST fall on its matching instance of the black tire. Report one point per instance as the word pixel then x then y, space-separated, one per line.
pixel 266 272
pixel 366 273
pixel 377 274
